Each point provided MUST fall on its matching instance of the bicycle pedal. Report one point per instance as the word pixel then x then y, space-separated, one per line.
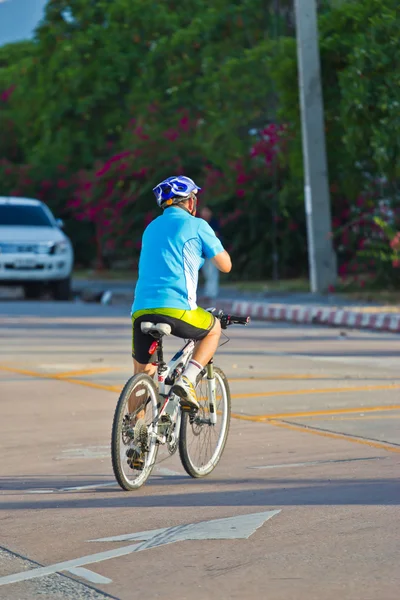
pixel 137 464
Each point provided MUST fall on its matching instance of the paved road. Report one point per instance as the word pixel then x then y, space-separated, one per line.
pixel 310 475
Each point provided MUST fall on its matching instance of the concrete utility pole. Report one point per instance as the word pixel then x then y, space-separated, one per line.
pixel 321 256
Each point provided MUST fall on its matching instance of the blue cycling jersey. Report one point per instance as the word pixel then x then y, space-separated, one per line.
pixel 174 247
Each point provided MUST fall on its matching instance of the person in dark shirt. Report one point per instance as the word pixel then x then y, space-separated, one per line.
pixel 210 272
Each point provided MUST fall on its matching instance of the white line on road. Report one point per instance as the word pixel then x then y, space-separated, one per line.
pixel 89 575
pixel 89 452
pixel 77 488
pixel 159 471
pixel 317 462
pixel 164 471
pixel 93 486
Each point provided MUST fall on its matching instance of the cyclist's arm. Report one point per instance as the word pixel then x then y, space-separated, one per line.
pixel 212 247
pixel 222 261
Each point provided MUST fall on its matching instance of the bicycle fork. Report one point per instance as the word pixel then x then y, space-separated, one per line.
pixel 211 393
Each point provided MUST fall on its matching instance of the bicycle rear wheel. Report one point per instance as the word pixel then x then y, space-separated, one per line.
pixel 201 443
pixel 133 447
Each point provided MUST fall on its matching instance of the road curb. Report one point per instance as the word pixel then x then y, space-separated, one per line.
pixel 317 315
pixel 372 318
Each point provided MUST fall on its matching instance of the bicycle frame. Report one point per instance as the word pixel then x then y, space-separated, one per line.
pixel 167 373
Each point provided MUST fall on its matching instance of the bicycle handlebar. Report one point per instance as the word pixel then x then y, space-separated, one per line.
pixel 227 320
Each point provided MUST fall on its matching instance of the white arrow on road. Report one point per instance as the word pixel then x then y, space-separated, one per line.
pixel 241 527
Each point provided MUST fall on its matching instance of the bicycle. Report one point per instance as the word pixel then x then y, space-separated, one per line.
pixel 147 416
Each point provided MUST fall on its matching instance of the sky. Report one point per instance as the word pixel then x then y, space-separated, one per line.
pixel 18 19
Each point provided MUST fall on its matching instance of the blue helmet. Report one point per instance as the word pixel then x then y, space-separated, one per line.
pixel 174 188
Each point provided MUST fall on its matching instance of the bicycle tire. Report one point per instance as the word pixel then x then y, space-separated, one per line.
pixel 187 459
pixel 117 444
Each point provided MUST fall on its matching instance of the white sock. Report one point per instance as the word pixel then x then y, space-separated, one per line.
pixel 192 370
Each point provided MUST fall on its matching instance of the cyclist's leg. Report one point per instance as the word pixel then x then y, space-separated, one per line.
pixel 141 357
pixel 148 368
pixel 206 348
pixel 202 326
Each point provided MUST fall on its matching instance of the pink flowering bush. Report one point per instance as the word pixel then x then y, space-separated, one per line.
pixel 368 240
pixel 116 196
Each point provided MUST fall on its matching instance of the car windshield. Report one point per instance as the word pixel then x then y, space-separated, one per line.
pixel 25 215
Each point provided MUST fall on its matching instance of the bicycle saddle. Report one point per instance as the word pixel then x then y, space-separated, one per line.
pixel 156 330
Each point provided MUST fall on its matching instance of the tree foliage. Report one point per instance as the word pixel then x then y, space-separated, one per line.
pixel 111 96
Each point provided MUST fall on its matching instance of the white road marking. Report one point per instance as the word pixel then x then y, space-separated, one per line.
pixel 317 462
pixel 92 486
pixel 165 471
pixel 90 575
pixel 241 527
pixel 89 452
pixel 76 488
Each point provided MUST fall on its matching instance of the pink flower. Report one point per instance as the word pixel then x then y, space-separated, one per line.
pixel 6 95
pixel 62 184
pixel 141 173
pixel 360 201
pixel 74 203
pixel 104 169
pixel 171 134
pixel 184 123
pixel 396 263
pixel 395 242
pixel 240 193
pixel 139 131
pixel 241 178
pixel 118 157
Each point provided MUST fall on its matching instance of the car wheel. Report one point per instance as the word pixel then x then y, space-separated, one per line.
pixel 62 289
pixel 33 291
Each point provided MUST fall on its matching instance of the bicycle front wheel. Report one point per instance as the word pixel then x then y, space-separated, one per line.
pixel 134 447
pixel 201 443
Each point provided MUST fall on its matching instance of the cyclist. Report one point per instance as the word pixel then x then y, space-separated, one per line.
pixel 174 247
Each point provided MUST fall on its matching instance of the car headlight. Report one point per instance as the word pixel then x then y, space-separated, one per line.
pixel 60 248
pixel 44 248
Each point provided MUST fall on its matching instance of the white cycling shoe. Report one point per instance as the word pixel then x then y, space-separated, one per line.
pixel 184 388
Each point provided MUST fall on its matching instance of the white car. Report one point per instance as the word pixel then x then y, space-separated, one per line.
pixel 34 252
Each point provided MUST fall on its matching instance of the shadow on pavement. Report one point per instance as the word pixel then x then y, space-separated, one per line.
pixel 295 492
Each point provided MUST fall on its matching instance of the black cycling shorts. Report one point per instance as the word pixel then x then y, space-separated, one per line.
pixel 186 324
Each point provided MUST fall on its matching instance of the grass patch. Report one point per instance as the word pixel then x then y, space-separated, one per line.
pixel 285 285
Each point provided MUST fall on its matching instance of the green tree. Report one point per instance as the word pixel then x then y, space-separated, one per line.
pixel 14 62
pixel 99 63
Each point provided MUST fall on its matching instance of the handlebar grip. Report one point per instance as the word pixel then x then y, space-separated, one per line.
pixel 239 320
